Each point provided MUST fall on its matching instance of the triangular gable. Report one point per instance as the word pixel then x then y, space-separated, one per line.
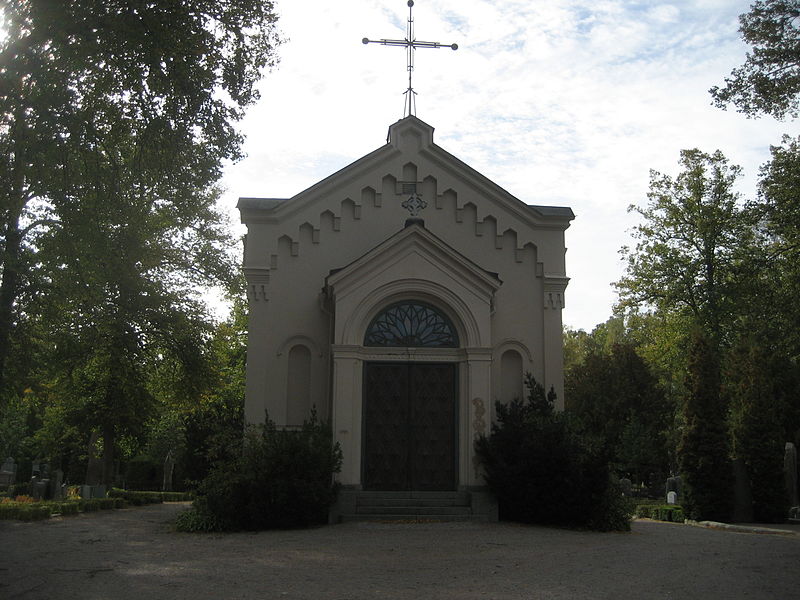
pixel 414 239
pixel 408 136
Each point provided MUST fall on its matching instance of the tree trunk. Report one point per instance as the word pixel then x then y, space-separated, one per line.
pixel 108 454
pixel 8 287
pixel 15 199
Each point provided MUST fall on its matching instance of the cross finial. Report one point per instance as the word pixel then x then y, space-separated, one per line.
pixel 411 44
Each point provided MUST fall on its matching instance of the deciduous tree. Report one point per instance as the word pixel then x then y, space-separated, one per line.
pixel 691 247
pixel 149 89
pixel 769 80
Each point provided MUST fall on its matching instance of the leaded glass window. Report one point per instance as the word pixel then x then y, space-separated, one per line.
pixel 411 324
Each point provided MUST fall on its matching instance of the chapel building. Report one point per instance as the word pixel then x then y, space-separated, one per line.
pixel 401 297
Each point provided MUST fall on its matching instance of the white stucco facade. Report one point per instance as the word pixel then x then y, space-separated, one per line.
pixel 322 265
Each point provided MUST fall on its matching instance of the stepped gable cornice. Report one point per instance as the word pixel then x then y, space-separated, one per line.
pixel 410 136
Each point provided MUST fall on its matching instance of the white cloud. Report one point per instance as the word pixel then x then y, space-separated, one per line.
pixel 565 102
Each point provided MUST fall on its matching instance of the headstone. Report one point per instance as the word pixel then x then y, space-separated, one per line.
pixel 8 474
pixel 625 486
pixel 92 491
pixel 39 488
pixel 169 466
pixel 672 497
pixel 56 491
pixel 674 485
pixel 790 473
pixel 94 470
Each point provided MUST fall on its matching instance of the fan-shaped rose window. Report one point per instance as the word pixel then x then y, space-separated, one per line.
pixel 411 324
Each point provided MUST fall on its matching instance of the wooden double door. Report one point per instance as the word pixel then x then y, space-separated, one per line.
pixel 410 426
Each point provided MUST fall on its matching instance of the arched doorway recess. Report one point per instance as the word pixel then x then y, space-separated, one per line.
pixel 410 407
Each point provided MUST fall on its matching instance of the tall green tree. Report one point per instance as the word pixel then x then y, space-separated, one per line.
pixel 769 80
pixel 704 451
pixel 151 89
pixel 691 248
pixel 616 402
pixel 757 431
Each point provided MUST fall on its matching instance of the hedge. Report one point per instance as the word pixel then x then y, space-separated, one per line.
pixel 661 512
pixel 37 511
pixel 138 498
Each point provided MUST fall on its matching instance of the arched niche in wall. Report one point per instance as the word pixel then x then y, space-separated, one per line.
pixel 298 385
pixel 511 376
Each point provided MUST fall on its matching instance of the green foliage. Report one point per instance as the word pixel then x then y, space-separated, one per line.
pixel 139 498
pixel 774 311
pixel 281 478
pixel 769 80
pixel 114 133
pixel 756 429
pixel 541 471
pixel 690 247
pixel 143 474
pixel 660 512
pixel 704 451
pixel 36 511
pixel 24 511
pixel 193 521
pixel 616 404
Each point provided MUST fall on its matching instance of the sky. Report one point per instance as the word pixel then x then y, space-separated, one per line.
pixel 560 102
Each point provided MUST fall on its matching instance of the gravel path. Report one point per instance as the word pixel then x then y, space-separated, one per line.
pixel 135 554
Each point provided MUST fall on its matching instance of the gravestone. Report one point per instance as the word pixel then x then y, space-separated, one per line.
pixel 8 474
pixel 92 491
pixel 40 480
pixel 674 484
pixel 625 486
pixel 672 497
pixel 790 473
pixel 56 491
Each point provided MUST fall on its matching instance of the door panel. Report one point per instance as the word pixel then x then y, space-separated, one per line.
pixel 386 425
pixel 410 432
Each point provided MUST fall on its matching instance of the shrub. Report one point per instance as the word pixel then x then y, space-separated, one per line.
pixel 661 512
pixel 138 498
pixel 281 479
pixel 541 472
pixel 89 505
pixel 33 512
pixel 193 521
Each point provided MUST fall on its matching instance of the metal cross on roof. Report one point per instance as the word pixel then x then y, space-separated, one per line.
pixel 411 44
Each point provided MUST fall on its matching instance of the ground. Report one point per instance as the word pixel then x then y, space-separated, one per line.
pixel 136 554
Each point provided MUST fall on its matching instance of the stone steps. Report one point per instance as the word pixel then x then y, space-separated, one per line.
pixel 409 506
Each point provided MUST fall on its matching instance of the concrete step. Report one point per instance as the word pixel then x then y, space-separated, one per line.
pixel 354 505
pixel 412 502
pixel 414 510
pixel 406 518
pixel 459 496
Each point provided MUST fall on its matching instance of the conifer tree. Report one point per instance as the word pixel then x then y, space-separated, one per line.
pixel 703 451
pixel 756 431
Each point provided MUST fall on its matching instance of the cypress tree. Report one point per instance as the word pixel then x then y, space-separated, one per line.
pixel 703 451
pixel 757 433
